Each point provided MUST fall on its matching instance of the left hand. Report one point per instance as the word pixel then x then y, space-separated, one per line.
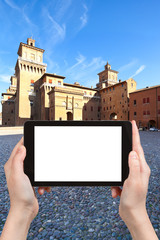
pixel 22 194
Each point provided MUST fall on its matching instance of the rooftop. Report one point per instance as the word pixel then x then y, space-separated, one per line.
pixel 146 88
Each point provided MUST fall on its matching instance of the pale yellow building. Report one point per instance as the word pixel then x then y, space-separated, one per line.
pixel 37 95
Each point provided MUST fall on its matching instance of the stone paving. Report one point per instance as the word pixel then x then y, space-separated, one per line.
pixel 84 212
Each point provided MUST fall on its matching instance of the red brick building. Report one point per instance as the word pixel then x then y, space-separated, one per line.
pixel 145 107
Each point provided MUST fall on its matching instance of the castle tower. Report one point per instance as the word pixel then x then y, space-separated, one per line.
pixel 107 77
pixel 29 68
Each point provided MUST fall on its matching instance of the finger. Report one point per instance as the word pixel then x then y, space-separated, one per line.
pixel 137 144
pixel 48 189
pixel 20 143
pixel 17 162
pixel 41 190
pixel 34 192
pixel 134 165
pixel 116 191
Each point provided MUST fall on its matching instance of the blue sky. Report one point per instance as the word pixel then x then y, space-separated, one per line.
pixel 79 36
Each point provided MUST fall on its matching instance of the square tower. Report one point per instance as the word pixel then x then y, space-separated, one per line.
pixel 29 68
pixel 107 77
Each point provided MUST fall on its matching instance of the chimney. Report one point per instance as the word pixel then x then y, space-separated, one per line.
pixel 119 80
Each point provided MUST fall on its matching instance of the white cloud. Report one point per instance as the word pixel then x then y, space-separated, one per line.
pixel 5 78
pixel 12 5
pixel 127 66
pixel 85 71
pixel 80 59
pixel 139 70
pixel 84 17
pixel 60 30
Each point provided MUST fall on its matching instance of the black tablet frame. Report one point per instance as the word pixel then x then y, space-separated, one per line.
pixel 29 144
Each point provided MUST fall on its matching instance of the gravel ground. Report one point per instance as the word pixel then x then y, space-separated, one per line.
pixel 84 212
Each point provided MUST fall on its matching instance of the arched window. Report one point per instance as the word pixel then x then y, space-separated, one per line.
pixel 24 66
pixel 35 69
pixel 31 69
pixel 27 68
pixel 38 70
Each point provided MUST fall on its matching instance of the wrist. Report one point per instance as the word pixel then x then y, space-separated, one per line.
pixel 22 214
pixel 136 218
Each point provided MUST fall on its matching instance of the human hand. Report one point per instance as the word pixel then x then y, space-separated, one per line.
pixel 132 208
pixel 133 194
pixel 22 194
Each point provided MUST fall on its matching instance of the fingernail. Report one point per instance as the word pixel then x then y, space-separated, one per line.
pixel 133 155
pixel 20 149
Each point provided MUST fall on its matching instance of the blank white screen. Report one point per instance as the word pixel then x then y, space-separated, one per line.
pixel 71 153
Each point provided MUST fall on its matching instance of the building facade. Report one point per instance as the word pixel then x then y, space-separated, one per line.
pixel 145 107
pixel 37 95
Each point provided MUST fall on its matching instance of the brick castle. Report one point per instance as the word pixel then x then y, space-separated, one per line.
pixel 35 94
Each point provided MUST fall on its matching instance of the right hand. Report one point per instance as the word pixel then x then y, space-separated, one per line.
pixel 133 194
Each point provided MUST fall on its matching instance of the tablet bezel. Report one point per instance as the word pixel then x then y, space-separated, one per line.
pixel 29 144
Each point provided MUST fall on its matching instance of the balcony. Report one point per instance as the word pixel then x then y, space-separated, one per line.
pixel 32 61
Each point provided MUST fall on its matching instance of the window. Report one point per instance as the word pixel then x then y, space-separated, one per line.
pixel 32 82
pixel 90 94
pixel 158 111
pixel 86 119
pixel 99 108
pixel 60 119
pixel 110 107
pixel 144 100
pixel 122 84
pixel 122 106
pixel 148 112
pixel 144 112
pixel 147 99
pixel 110 89
pixel 85 93
pixel 104 108
pixel 76 105
pixel 85 108
pixel 158 98
pixel 50 80
pixel 59 82
pixel 110 98
pixel 107 108
pixel 11 111
pixel 122 95
pixel 113 88
pixel 135 114
pixel 91 118
pixel 91 108
pixel 104 90
pixel 134 102
pixel 131 85
pixel 103 99
pixel 32 56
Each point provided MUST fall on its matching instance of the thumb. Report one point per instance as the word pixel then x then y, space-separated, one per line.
pixel 17 162
pixel 134 165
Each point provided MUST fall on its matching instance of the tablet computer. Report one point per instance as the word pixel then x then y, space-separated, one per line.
pixel 77 153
